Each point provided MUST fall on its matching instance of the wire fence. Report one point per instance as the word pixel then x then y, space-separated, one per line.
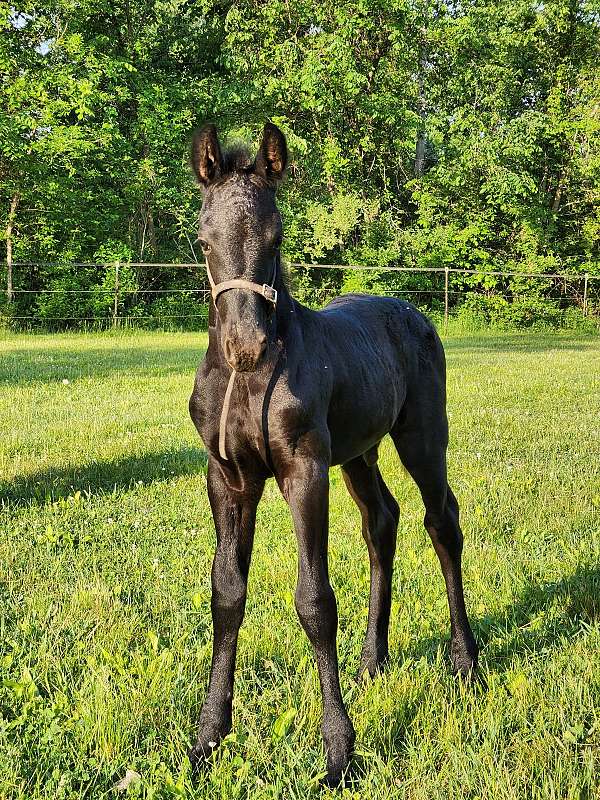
pixel 166 294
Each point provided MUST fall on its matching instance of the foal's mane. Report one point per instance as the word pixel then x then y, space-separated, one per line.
pixel 236 158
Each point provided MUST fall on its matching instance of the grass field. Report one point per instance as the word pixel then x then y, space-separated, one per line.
pixel 105 550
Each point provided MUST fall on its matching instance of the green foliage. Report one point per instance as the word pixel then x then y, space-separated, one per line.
pixel 177 311
pixel 120 280
pixel 422 135
pixel 483 311
pixel 330 227
pixel 521 311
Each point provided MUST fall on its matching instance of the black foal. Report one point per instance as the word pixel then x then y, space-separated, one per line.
pixel 307 390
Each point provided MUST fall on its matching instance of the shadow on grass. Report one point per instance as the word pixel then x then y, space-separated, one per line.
pixel 534 342
pixel 521 629
pixel 102 476
pixel 55 364
pixel 532 624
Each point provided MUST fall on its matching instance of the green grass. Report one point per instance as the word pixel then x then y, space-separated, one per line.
pixel 105 550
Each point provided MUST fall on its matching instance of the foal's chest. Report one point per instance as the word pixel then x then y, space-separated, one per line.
pixel 247 416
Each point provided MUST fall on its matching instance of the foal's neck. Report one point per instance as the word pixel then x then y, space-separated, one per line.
pixel 285 304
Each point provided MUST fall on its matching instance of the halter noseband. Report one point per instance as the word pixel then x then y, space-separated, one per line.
pixel 216 289
pixel 265 290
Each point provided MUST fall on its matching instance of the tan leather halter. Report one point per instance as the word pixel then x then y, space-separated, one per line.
pixel 269 293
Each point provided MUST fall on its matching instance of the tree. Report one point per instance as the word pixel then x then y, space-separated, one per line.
pixel 422 134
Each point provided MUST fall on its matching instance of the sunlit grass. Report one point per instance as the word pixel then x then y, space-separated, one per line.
pixel 105 549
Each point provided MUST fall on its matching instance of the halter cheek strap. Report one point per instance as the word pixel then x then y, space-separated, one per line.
pixel 216 289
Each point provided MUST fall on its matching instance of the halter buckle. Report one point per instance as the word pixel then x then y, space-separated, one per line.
pixel 269 293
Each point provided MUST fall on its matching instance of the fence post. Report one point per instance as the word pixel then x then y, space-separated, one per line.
pixel 585 293
pixel 446 270
pixel 115 316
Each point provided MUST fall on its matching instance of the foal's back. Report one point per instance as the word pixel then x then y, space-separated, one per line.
pixel 376 354
pixel 384 321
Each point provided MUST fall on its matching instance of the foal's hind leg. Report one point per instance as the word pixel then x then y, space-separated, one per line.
pixel 423 453
pixel 380 514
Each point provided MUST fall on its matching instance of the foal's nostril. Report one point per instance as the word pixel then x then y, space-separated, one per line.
pixel 228 350
pixel 244 357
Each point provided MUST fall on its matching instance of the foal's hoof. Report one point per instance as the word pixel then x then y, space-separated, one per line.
pixel 200 753
pixel 371 665
pixel 339 746
pixel 213 726
pixel 464 660
pixel 208 741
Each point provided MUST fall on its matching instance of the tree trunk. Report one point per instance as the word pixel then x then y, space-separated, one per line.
pixel 422 108
pixel 146 214
pixel 558 193
pixel 420 154
pixel 151 230
pixel 14 204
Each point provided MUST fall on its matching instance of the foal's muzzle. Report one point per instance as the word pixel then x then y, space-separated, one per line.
pixel 244 344
pixel 242 351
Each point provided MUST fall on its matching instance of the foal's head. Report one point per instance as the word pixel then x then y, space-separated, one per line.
pixel 240 234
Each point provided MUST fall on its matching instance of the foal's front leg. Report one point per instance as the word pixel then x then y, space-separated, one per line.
pixel 306 488
pixel 234 514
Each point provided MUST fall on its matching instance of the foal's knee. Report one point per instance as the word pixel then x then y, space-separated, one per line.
pixel 228 591
pixel 317 611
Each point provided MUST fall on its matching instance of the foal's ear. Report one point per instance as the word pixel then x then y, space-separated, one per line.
pixel 207 159
pixel 271 159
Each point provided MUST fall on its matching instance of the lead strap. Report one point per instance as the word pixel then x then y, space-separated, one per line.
pixel 228 391
pixel 238 284
pixel 224 414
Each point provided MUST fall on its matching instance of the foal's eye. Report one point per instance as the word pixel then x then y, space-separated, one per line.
pixel 277 242
pixel 204 245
